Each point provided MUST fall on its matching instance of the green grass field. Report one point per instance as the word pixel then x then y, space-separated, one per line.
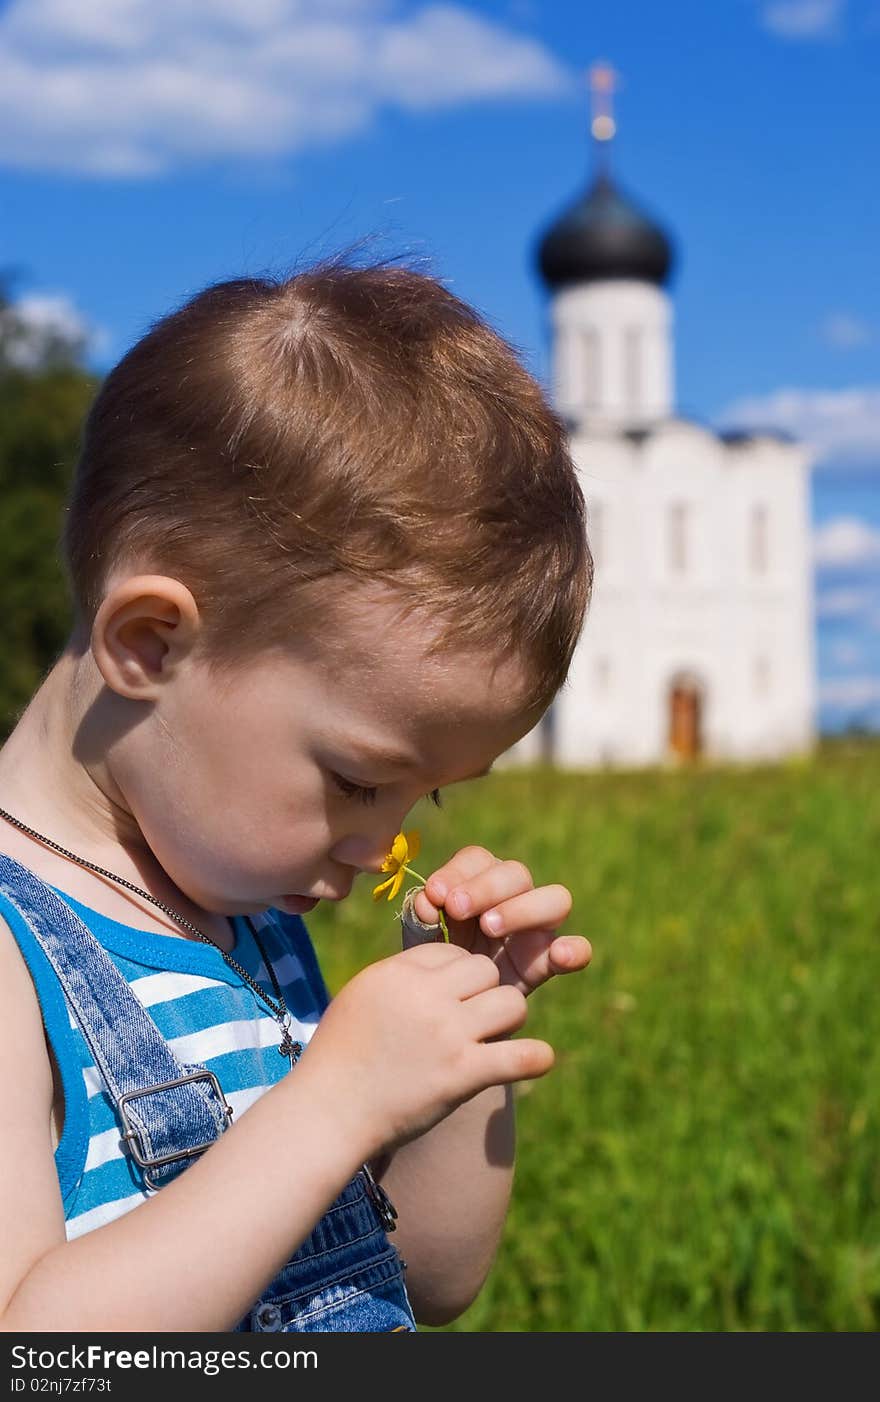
pixel 705 1155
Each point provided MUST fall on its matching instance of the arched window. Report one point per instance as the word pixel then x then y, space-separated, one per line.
pixel 759 552
pixel 596 532
pixel 547 736
pixel 592 368
pixel 632 366
pixel 602 673
pixel 568 366
pixel 762 675
pixel 677 538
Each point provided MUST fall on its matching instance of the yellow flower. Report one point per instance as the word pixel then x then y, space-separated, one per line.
pixel 405 848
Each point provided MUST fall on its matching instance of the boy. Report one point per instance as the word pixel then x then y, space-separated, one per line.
pixel 326 551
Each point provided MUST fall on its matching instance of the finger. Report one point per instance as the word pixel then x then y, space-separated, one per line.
pixel 489 887
pixel 462 867
pixel 516 1059
pixel 413 930
pixel 530 959
pixel 570 954
pixel 465 978
pixel 542 908
pixel 497 1012
pixel 434 956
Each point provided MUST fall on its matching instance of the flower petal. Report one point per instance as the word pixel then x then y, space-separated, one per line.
pixel 399 849
pixel 414 843
pixel 377 890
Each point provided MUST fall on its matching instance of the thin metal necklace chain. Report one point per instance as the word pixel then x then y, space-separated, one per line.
pixel 279 1011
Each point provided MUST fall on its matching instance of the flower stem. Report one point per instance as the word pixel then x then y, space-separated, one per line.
pixel 412 871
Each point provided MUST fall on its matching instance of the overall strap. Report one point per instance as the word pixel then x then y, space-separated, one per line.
pixel 170 1111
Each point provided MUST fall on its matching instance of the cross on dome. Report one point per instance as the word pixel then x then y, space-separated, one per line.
pixel 602 82
pixel 604 235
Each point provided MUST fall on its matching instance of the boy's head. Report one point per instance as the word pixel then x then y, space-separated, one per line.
pixel 274 439
pixel 313 519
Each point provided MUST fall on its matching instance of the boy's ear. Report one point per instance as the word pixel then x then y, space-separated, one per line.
pixel 143 629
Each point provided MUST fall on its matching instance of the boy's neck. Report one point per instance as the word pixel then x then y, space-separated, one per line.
pixel 47 782
pixel 56 779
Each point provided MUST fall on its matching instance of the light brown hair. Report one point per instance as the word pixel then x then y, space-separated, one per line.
pixel 343 421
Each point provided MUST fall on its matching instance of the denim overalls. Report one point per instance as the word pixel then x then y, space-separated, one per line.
pixel 346 1276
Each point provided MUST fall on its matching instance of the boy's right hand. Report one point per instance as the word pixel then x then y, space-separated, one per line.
pixel 410 1038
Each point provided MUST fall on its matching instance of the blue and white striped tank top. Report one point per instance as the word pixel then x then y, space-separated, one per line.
pixel 206 1013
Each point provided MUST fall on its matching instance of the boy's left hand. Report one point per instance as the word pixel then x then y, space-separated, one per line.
pixel 524 946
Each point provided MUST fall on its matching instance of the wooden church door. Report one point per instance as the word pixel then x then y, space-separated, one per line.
pixel 684 722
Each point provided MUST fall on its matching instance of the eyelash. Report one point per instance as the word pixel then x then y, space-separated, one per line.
pixel 369 795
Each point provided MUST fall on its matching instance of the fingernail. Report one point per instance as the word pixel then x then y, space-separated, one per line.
pixel 492 921
pixel 460 902
pixel 438 891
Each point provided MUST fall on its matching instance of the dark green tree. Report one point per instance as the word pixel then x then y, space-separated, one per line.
pixel 45 394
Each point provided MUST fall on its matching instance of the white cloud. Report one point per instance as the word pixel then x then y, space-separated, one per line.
pixel 850 692
pixel 842 424
pixel 36 324
pixel 842 331
pixel 804 19
pixel 139 87
pixel 525 10
pixel 846 654
pixel 846 541
pixel 844 603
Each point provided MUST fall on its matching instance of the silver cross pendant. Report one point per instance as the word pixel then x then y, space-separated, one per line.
pixel 288 1047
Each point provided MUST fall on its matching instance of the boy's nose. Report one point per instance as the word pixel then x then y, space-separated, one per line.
pixel 374 865
pixel 356 854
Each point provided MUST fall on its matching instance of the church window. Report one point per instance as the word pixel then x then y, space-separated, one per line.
pixel 762 675
pixel 758 542
pixel 568 369
pixel 592 367
pixel 676 538
pixel 632 365
pixel 547 736
pixel 596 532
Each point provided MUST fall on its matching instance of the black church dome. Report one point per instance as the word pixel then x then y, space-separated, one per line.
pixel 604 235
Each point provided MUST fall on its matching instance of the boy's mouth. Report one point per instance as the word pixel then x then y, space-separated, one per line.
pixel 298 905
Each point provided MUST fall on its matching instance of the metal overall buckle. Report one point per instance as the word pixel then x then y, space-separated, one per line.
pixel 381 1201
pixel 132 1134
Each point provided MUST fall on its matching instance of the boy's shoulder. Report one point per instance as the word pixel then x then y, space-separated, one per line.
pixel 22 1033
pixel 32 1211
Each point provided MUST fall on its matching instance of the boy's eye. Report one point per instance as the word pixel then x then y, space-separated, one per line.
pixel 368 795
pixel 354 790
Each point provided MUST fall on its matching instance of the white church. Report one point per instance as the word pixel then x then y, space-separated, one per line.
pixel 699 638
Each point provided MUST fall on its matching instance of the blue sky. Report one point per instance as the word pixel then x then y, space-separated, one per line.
pixel 148 148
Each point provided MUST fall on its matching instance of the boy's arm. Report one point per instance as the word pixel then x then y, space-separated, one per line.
pixel 451 1188
pixel 196 1255
pixel 204 1247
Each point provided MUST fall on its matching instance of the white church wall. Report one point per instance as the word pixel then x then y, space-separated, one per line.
pixel 703 573
pixel 678 480
pixel 605 464
pixel 773 581
pixel 612 355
